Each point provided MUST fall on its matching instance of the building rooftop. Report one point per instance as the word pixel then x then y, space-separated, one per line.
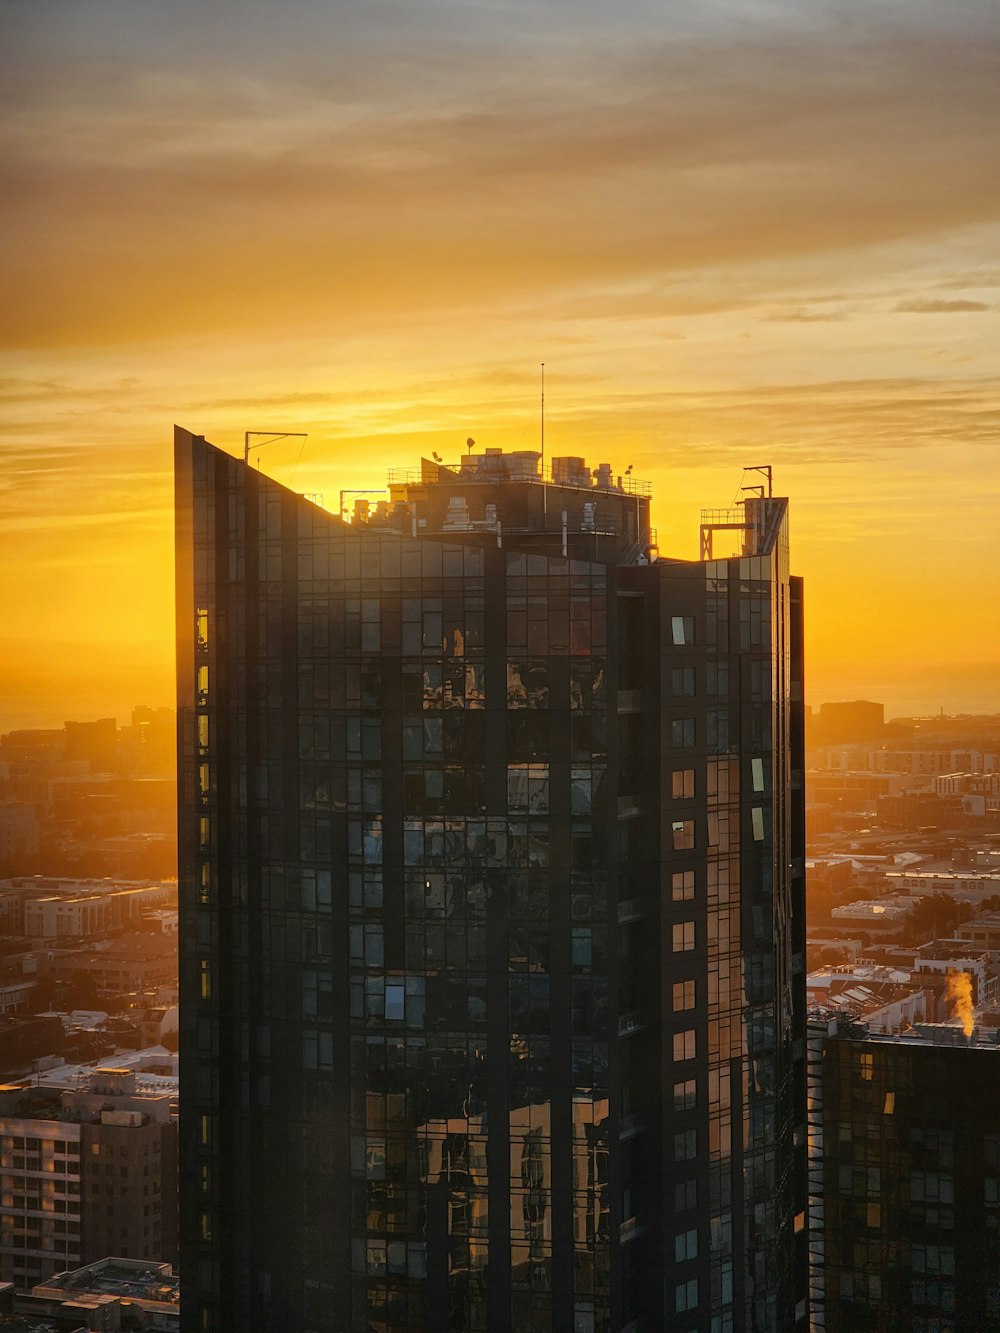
pixel 154 1069
pixel 921 1034
pixel 130 1279
pixel 893 908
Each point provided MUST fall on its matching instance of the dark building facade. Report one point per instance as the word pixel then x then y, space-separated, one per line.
pixel 905 1180
pixel 492 938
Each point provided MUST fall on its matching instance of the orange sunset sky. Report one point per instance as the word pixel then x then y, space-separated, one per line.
pixel 736 232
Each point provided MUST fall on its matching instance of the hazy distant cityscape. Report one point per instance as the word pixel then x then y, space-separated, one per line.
pixel 903 952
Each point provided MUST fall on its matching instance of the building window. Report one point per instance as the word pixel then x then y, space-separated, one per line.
pixel 682 885
pixel 685 1246
pixel 683 936
pixel 682 681
pixel 682 633
pixel 682 733
pixel 394 1001
pixel 685 1195
pixel 685 1045
pixel 686 1295
pixel 686 1095
pixel 683 996
pixel 686 1145
pixel 757 819
pixel 683 831
pixel 757 774
pixel 682 783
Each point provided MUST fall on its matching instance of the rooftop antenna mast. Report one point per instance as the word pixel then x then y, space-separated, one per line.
pixel 273 437
pixel 765 471
pixel 545 490
pixel 543 420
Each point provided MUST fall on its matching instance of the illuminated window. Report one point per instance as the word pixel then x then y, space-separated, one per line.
pixel 683 995
pixel 206 979
pixel 757 820
pixel 757 774
pixel 682 783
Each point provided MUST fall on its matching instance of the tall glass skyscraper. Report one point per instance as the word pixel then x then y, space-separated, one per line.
pixel 491 908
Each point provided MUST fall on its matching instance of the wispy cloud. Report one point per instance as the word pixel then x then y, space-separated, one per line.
pixel 935 307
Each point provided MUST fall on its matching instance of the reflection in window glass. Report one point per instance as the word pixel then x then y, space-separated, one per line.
pixel 683 936
pixel 683 834
pixel 682 629
pixel 686 1095
pixel 682 885
pixel 685 1045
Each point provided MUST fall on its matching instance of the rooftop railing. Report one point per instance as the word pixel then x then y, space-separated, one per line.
pixel 619 484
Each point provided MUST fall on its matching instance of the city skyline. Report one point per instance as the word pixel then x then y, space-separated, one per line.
pixel 746 234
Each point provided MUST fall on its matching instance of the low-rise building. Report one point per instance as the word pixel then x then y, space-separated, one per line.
pixel 108 1293
pixel 86 1170
pixel 971 886
pixel 879 916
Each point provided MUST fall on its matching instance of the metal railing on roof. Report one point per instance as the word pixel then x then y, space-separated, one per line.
pixel 623 484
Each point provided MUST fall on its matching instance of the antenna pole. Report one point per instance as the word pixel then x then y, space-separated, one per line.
pixel 543 420
pixel 275 436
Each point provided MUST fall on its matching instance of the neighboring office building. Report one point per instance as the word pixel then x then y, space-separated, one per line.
pixel 472 828
pixel 904 1181
pixel 85 1173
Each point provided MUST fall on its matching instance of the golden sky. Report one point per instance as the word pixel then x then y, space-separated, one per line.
pixel 738 232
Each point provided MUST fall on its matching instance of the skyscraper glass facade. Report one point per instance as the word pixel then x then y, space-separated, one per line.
pixel 491 910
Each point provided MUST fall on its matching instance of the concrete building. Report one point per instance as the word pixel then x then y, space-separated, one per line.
pixel 53 907
pixel 85 1172
pixel 112 1294
pixel 483 808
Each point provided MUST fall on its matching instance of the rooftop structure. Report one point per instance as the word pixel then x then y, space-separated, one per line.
pixel 109 1294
